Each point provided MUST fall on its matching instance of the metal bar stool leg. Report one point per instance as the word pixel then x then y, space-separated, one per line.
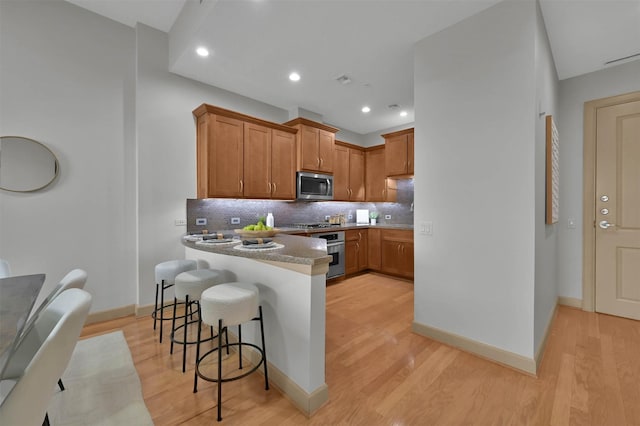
pixel 219 370
pixel 264 351
pixel 173 324
pixel 195 371
pixel 162 309
pixel 240 347
pixel 184 341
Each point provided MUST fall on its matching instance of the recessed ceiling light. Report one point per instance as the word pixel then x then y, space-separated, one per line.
pixel 403 113
pixel 202 51
pixel 366 109
pixel 294 76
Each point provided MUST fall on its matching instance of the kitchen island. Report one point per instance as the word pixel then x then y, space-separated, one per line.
pixel 292 285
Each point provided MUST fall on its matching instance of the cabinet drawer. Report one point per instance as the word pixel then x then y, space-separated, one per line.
pixel 397 235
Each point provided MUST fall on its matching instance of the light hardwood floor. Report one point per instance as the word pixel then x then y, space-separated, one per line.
pixel 380 373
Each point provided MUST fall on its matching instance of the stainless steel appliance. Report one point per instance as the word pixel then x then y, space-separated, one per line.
pixel 335 249
pixel 314 186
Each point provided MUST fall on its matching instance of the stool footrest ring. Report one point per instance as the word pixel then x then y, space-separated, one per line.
pixel 229 379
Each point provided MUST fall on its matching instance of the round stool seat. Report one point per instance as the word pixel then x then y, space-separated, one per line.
pixel 234 303
pixel 193 283
pixel 168 270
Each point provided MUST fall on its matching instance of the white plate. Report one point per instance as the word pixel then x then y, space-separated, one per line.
pixel 259 246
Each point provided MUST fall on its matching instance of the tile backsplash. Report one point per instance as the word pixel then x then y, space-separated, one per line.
pixel 219 211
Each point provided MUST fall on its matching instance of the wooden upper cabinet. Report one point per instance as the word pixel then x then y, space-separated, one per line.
pixel 341 173
pixel 239 156
pixel 257 158
pixel 348 172
pixel 225 160
pixel 315 145
pixel 399 153
pixel 283 165
pixel 377 186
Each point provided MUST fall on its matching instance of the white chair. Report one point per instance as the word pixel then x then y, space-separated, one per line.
pixel 221 306
pixel 5 270
pixel 189 286
pixel 76 278
pixel 166 273
pixel 47 349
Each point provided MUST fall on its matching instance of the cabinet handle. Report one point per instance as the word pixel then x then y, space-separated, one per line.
pixel 241 186
pixel 357 246
pixel 269 187
pixel 398 248
pixel 274 188
pixel 359 236
pixel 318 161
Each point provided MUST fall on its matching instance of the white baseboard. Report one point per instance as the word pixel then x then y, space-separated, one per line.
pixel 307 403
pixel 491 353
pixel 570 301
pixel 110 314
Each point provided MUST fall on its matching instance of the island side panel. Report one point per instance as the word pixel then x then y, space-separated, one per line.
pixel 293 306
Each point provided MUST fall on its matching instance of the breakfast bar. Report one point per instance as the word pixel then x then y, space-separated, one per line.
pixel 291 277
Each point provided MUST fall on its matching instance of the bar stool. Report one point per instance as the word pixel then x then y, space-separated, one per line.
pixel 165 278
pixel 189 286
pixel 221 306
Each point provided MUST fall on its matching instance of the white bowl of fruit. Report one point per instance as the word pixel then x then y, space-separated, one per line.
pixel 257 230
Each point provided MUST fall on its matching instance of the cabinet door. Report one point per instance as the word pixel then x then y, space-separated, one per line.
pixel 257 159
pixel 341 173
pixel 325 150
pixel 410 153
pixel 390 256
pixel 351 257
pixel 356 175
pixel 373 242
pixel 396 155
pixel 406 260
pixel 309 137
pixel 363 251
pixel 226 157
pixel 375 175
pixel 283 165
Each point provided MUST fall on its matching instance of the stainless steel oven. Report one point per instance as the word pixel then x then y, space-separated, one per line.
pixel 335 249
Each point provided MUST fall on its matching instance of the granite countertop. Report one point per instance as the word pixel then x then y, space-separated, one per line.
pixel 295 249
pixel 346 226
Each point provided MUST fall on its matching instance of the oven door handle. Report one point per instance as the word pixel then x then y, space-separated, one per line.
pixel 339 243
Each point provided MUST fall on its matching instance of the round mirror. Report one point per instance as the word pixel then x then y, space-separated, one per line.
pixel 25 165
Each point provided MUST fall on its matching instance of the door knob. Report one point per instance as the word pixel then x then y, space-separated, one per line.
pixel 604 224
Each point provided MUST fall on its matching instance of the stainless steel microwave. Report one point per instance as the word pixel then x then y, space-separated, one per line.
pixel 314 186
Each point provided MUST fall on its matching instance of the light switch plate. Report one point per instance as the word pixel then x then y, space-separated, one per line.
pixel 181 222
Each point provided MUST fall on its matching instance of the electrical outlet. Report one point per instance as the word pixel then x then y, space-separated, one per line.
pixel 180 222
pixel 201 221
pixel 350 216
pixel 235 221
pixel 327 217
pixel 387 217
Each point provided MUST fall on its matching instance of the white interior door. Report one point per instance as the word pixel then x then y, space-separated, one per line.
pixel 617 250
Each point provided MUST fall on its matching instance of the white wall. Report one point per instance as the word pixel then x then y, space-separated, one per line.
pixel 546 285
pixel 166 136
pixel 61 83
pixel 574 92
pixel 474 97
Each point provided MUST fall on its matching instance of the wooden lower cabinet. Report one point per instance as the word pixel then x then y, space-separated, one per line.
pixel 389 251
pixel 356 251
pixel 396 252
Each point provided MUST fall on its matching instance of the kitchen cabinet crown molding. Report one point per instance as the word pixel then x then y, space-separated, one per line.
pixel 210 109
pixel 311 123
pixel 398 133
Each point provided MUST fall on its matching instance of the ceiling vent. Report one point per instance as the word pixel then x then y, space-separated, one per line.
pixel 393 106
pixel 343 79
